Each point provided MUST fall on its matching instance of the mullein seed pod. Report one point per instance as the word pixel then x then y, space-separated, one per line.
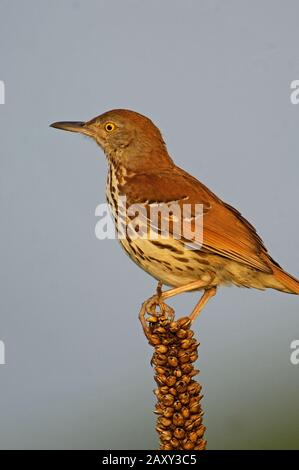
pixel 159 359
pixel 161 349
pixel 164 422
pixel 152 319
pixel 177 405
pixel 184 398
pixel 185 412
pixel 184 322
pixel 186 343
pixel 179 420
pixel 168 399
pixel 186 379
pixel 188 445
pixel 182 333
pixel 174 327
pixel 177 373
pixel 172 361
pixel 168 411
pixel 164 435
pixel 171 380
pixel 155 339
pixel 181 386
pixel 160 379
pixel 167 446
pixel 187 368
pixel 179 433
pixel 201 446
pixel 193 356
pixel 160 330
pixel 160 370
pixel 184 358
pixel 175 443
pixel 194 388
pixel 164 389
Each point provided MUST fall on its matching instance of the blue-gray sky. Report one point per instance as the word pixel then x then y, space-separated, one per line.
pixel 215 77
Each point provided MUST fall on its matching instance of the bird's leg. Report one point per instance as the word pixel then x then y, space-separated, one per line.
pixel 164 309
pixel 200 283
pixel 149 306
pixel 207 295
pixel 159 288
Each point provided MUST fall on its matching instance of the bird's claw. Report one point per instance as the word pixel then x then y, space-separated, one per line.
pixel 149 307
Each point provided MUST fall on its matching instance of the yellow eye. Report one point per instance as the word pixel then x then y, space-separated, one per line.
pixel 110 126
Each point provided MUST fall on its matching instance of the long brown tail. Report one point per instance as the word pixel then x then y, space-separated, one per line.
pixel 289 283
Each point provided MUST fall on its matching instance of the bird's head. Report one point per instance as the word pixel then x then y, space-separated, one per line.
pixel 125 136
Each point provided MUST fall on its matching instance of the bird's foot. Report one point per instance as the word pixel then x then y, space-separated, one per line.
pixel 155 308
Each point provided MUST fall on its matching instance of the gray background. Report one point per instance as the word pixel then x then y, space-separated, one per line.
pixel 215 76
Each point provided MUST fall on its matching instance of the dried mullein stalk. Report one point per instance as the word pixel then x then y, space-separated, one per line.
pixel 179 422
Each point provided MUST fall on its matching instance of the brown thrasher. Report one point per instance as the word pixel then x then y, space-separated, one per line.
pixel 141 169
